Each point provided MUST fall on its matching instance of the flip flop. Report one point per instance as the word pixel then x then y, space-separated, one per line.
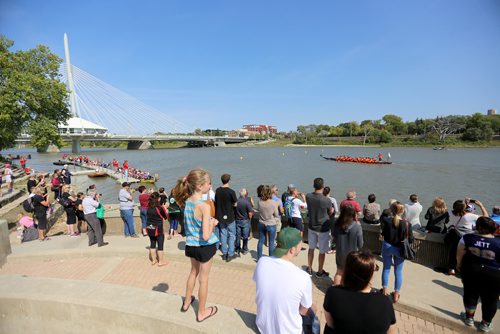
pixel 182 306
pixel 213 312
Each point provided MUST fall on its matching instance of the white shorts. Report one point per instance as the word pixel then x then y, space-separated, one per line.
pixel 8 179
pixel 321 239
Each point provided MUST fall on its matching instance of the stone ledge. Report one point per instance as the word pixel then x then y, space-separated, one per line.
pixel 46 305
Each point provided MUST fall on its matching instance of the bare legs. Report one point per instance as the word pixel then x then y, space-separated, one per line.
pixel 201 271
pixel 310 259
pixel 338 276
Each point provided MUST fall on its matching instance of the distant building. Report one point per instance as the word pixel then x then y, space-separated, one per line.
pixel 259 129
pixel 492 112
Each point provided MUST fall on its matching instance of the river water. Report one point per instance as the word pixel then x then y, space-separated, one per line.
pixel 452 174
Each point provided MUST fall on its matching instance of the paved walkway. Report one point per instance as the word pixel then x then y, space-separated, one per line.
pixel 430 301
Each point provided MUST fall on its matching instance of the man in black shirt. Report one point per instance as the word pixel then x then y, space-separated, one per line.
pixel 225 202
pixel 244 213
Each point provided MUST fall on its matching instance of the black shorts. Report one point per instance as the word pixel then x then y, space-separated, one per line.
pixel 297 223
pixel 41 220
pixel 201 253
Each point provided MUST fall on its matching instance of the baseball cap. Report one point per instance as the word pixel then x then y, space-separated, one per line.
pixel 287 238
pixel 65 166
pixel 125 184
pixel 291 187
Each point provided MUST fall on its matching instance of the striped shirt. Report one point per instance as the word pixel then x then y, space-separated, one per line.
pixel 194 233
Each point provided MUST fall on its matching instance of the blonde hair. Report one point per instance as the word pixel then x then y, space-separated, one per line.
pixel 66 188
pixel 397 209
pixel 439 205
pixel 187 185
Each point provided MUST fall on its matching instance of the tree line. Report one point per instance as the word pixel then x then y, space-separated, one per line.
pixel 443 130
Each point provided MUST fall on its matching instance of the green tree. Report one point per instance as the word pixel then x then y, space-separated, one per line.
pixel 350 128
pixel 380 136
pixel 32 97
pixel 478 127
pixel 394 124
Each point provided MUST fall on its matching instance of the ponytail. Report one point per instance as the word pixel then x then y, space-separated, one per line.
pixel 186 186
pixel 397 209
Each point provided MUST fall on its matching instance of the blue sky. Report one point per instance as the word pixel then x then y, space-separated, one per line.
pixel 222 64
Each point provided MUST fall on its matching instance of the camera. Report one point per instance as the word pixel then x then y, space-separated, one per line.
pixel 472 201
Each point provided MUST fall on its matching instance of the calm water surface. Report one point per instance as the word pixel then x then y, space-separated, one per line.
pixel 451 174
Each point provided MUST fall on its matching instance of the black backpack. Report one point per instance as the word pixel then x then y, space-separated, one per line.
pixel 28 205
pixel 66 202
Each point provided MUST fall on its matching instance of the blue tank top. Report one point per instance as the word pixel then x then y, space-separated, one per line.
pixel 194 233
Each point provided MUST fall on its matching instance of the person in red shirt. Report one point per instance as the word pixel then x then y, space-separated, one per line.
pixel 144 200
pixel 22 161
pixel 115 165
pixel 350 200
pixel 125 169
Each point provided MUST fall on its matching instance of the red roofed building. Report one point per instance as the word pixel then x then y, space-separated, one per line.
pixel 261 129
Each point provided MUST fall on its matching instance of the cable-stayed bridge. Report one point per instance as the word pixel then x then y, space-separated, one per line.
pixel 102 112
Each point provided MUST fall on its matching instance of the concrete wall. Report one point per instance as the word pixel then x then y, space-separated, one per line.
pixel 46 305
pixel 4 242
pixel 430 247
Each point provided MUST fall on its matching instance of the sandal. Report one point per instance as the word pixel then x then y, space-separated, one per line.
pixel 213 311
pixel 395 297
pixel 182 306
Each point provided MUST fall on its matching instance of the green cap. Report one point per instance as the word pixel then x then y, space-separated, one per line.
pixel 288 237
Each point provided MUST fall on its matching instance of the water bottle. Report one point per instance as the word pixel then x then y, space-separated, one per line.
pixel 20 232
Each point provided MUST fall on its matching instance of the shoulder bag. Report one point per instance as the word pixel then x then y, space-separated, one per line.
pixel 407 252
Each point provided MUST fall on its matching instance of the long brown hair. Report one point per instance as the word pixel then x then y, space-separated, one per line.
pixel 397 209
pixel 347 216
pixel 153 200
pixel 186 186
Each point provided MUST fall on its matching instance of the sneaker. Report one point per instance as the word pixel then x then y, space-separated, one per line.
pixel 230 258
pixel 309 271
pixel 135 236
pixel 103 244
pixel 485 327
pixel 322 274
pixel 245 252
pixel 466 320
pixel 74 235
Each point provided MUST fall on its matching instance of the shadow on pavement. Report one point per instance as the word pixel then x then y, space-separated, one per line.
pixel 181 245
pixel 448 313
pixel 448 286
pixel 248 319
pixel 161 287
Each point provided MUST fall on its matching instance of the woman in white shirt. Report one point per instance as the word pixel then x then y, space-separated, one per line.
pixel 461 223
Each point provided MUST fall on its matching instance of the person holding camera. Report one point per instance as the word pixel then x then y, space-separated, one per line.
pixel 90 204
pixel 461 223
pixel 127 209
pixel 478 259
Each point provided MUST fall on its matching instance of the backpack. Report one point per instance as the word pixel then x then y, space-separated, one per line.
pixel 28 205
pixel 29 234
pixel 288 206
pixel 66 202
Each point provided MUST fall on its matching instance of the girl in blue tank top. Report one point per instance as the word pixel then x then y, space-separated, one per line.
pixel 201 242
